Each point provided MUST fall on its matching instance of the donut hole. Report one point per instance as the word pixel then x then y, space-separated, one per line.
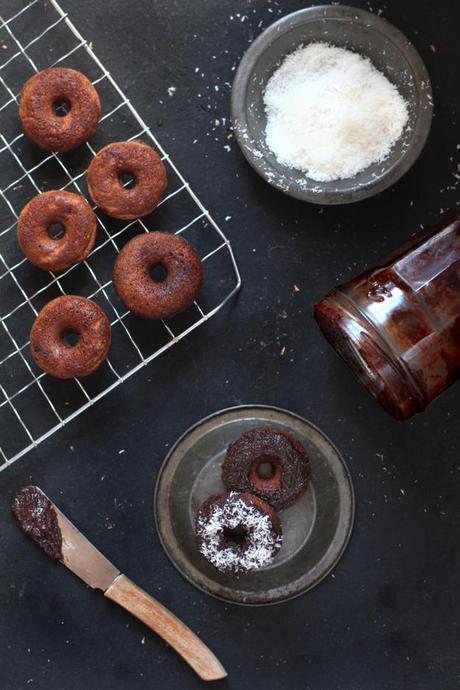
pixel 126 179
pixel 61 107
pixel 70 337
pixel 56 231
pixel 235 535
pixel 158 273
pixel 266 470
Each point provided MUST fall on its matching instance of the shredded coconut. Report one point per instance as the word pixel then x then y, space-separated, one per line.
pixel 331 113
pixel 261 545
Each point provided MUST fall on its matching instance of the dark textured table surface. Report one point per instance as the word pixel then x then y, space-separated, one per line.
pixel 388 617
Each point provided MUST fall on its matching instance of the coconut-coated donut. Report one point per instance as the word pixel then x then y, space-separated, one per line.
pixel 106 185
pixel 79 230
pixel 143 295
pixel 64 315
pixel 286 455
pixel 237 532
pixel 41 122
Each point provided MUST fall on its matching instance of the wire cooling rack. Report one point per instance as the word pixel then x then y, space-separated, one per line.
pixel 34 405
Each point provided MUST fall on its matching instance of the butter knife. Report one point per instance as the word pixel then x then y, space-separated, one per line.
pixel 60 539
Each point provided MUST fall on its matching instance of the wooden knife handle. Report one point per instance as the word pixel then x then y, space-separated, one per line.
pixel 132 598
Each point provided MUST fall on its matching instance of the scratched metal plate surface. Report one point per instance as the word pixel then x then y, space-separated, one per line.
pixel 316 530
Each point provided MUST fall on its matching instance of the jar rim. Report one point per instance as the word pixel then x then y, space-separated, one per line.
pixel 371 358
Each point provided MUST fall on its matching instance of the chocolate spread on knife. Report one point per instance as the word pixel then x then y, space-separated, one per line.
pixel 38 519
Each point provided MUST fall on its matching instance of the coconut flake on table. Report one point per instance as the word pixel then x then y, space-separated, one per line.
pixel 331 113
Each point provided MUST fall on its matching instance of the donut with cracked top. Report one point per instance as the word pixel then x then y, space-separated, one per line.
pixel 127 179
pixel 56 229
pixel 61 322
pixel 59 109
pixel 141 293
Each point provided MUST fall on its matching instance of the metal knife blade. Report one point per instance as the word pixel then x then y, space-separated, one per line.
pixel 82 558
pixel 40 518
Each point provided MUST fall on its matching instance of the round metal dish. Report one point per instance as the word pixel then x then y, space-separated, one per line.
pixel 347 27
pixel 316 529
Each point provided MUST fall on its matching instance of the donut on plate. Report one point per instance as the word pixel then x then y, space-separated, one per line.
pixel 141 293
pixel 269 463
pixel 65 318
pixel 237 532
pixel 59 109
pixel 56 229
pixel 119 162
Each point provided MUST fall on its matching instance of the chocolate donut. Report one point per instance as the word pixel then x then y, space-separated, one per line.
pixel 70 314
pixel 140 292
pixel 237 532
pixel 106 175
pixel 278 452
pixel 75 224
pixel 59 109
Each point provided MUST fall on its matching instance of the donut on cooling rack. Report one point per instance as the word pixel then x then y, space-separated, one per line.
pixel 140 292
pixel 127 179
pixel 60 323
pixel 59 109
pixel 56 229
pixel 237 532
pixel 269 463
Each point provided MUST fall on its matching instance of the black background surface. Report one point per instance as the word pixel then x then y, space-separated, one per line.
pixel 388 617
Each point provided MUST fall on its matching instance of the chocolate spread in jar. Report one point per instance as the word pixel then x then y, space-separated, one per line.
pixel 37 517
pixel 398 324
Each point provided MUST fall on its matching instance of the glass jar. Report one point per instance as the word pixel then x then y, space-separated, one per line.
pixel 398 324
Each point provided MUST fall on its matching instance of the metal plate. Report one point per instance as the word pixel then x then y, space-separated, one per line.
pixel 316 529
